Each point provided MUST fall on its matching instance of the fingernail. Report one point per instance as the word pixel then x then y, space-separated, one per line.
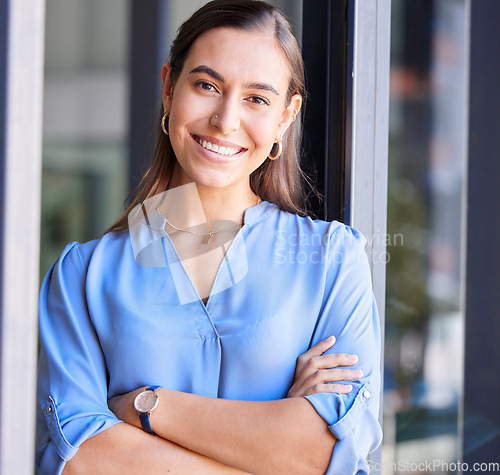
pixel 359 373
pixel 354 358
pixel 330 338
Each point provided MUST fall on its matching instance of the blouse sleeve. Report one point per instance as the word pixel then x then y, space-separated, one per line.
pixel 72 381
pixel 350 314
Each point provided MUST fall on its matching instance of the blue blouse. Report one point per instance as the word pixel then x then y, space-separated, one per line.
pixel 121 312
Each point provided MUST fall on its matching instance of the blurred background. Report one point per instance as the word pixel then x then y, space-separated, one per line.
pixel 427 176
pixel 90 163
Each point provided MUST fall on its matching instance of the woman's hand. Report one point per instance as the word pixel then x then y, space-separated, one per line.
pixel 122 406
pixel 315 372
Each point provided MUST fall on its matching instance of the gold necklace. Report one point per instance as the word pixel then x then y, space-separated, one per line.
pixel 207 237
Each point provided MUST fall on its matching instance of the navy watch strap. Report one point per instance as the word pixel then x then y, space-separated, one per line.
pixel 144 418
pixel 146 424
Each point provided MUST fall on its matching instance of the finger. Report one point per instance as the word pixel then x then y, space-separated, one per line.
pixel 331 375
pixel 330 388
pixel 320 348
pixel 332 360
pixel 316 350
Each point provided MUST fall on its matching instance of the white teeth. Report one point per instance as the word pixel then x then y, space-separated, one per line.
pixel 215 148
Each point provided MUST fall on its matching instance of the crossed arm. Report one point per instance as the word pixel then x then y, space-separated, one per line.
pixel 198 434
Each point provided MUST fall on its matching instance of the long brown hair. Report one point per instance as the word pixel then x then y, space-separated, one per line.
pixel 277 181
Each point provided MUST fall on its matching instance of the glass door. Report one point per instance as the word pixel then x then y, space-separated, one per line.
pixel 427 176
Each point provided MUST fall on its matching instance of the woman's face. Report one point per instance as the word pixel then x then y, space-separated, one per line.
pixel 227 106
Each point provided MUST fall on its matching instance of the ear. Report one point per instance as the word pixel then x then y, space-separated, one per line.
pixel 291 111
pixel 168 86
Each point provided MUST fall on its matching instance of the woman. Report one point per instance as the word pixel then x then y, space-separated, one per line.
pixel 208 313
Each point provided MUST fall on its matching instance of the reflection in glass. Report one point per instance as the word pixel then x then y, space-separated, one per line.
pixel 424 313
pixel 85 122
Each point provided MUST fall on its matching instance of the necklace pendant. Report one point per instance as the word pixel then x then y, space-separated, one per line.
pixel 209 237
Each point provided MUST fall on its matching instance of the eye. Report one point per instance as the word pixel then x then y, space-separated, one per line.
pixel 258 100
pixel 206 86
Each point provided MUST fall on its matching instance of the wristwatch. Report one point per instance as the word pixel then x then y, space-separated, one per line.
pixel 144 404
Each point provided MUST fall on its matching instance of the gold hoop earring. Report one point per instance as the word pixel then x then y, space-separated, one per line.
pixel 273 154
pixel 163 126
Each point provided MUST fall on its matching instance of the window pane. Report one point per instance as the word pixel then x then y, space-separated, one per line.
pixel 85 161
pixel 424 314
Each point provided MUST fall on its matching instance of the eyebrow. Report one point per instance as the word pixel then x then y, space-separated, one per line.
pixel 218 77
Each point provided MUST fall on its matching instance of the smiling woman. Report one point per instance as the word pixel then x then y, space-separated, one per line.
pixel 188 320
pixel 220 94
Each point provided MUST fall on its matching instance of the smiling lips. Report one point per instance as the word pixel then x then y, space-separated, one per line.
pixel 217 147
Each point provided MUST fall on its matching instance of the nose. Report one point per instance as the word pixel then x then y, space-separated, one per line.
pixel 227 116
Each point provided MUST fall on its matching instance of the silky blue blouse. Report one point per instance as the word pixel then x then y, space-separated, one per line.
pixel 121 312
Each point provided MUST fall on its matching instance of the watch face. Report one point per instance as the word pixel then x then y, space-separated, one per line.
pixel 145 402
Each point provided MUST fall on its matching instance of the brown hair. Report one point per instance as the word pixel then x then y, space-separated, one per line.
pixel 277 181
